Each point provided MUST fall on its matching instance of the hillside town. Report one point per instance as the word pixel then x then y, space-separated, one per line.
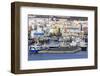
pixel 57 34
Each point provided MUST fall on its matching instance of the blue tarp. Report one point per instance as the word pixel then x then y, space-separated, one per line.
pixel 38 33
